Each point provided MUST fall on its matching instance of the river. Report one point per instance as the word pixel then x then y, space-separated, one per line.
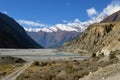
pixel 41 54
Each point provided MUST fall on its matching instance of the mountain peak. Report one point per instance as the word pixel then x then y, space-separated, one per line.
pixel 57 27
pixel 112 18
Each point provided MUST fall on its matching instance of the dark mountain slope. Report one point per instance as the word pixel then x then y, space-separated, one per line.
pixel 112 18
pixel 12 35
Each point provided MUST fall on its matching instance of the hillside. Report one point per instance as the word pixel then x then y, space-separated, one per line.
pixel 12 35
pixel 52 39
pixel 100 37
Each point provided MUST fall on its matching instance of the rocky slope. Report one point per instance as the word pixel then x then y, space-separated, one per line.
pixel 100 37
pixel 12 35
pixel 111 72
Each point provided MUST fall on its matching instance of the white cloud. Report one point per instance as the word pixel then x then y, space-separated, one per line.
pixel 91 12
pixel 4 12
pixel 111 8
pixel 31 23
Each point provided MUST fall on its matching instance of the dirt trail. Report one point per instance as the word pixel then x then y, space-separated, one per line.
pixel 15 74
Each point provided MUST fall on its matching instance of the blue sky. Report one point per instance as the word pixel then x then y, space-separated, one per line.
pixel 51 11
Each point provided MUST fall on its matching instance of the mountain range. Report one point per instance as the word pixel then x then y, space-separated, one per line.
pixel 55 36
pixel 12 35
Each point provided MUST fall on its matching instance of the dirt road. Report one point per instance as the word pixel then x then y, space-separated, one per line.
pixel 15 74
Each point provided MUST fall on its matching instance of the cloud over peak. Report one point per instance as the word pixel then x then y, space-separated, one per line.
pixel 92 11
pixel 96 17
pixel 4 12
pixel 31 23
pixel 112 8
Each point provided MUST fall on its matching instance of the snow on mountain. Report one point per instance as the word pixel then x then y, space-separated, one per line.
pixel 76 25
pixel 58 27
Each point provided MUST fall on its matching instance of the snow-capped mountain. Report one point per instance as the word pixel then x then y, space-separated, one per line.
pixel 56 35
pixel 59 27
pixel 76 25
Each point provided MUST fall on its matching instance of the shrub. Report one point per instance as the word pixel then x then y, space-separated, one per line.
pixel 48 77
pixel 101 55
pixel 70 69
pixel 36 63
pixel 118 39
pixel 93 55
pixel 42 64
pixel 112 56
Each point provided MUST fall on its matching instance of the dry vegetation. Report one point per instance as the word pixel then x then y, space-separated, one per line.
pixel 7 69
pixel 67 70
pixel 9 64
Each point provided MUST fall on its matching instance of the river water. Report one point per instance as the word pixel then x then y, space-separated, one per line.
pixel 41 54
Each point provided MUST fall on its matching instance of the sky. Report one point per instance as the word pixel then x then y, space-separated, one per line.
pixel 52 12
